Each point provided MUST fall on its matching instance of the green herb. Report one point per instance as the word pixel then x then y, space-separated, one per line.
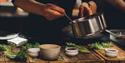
pixel 17 55
pixel 100 45
pixel 2 48
pixel 8 51
pixel 106 45
pixel 21 55
pixel 81 48
pixel 31 45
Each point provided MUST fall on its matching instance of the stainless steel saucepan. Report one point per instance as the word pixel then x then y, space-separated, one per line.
pixel 87 27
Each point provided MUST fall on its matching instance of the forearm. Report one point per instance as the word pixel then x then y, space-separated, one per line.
pixel 118 3
pixel 30 6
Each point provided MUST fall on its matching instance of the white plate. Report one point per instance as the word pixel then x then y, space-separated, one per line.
pixel 8 36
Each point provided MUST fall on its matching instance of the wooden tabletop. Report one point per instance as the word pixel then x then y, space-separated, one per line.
pixel 80 58
pixel 97 56
pixel 119 59
pixel 63 58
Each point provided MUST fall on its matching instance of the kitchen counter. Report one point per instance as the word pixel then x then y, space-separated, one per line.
pixel 92 57
pixel 119 59
pixel 80 58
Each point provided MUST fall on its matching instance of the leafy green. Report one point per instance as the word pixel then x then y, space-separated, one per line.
pixel 30 45
pixel 17 55
pixel 21 55
pixel 106 45
pixel 8 51
pixel 2 48
pixel 100 45
pixel 80 47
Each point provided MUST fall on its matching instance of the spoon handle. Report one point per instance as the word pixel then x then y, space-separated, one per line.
pixel 112 33
pixel 68 17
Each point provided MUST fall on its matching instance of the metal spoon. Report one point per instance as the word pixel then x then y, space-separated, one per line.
pixel 68 17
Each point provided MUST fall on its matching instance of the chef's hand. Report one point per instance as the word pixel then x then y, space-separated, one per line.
pixel 87 9
pixel 51 11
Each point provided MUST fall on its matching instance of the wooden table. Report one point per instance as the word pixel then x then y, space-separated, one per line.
pixel 96 56
pixel 80 58
pixel 119 59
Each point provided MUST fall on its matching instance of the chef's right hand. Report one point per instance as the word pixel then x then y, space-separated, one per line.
pixel 51 11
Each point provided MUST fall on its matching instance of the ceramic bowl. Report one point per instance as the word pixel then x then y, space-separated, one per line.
pixel 111 52
pixel 49 51
pixel 71 51
pixel 33 52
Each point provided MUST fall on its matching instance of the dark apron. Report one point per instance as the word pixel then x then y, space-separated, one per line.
pixel 37 28
pixel 115 18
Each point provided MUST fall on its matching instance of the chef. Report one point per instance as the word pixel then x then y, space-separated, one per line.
pixel 46 19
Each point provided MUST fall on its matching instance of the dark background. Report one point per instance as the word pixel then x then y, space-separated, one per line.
pixel 115 19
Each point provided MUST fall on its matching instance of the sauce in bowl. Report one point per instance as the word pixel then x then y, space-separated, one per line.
pixel 111 52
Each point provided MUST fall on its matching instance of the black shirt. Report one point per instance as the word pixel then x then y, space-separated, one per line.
pixel 115 17
pixel 38 28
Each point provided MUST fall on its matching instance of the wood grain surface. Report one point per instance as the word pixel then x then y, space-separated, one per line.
pixel 119 59
pixel 80 58
pixel 97 56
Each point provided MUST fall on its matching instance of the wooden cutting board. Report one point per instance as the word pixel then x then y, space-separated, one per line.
pixel 80 58
pixel 119 59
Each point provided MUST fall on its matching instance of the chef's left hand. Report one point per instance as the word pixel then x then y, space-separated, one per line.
pixel 87 9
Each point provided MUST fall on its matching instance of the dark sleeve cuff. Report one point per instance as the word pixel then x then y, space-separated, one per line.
pixel 13 1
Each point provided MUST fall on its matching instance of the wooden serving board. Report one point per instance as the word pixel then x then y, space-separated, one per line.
pixel 80 58
pixel 119 59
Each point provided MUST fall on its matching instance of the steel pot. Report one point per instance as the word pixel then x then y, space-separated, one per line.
pixel 87 27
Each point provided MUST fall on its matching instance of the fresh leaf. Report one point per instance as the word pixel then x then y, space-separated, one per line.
pixel 100 45
pixel 81 48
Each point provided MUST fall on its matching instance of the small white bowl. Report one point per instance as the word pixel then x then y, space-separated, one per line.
pixel 111 52
pixel 33 51
pixel 71 51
